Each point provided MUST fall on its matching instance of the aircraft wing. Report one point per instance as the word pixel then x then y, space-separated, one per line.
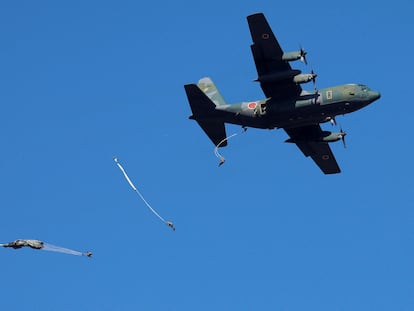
pixel 304 137
pixel 271 68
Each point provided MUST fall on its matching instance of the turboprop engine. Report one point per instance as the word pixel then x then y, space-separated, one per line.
pixel 292 56
pixel 330 137
pixel 294 74
pixel 326 137
pixel 304 78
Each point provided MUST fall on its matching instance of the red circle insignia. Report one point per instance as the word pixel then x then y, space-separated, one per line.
pixel 252 105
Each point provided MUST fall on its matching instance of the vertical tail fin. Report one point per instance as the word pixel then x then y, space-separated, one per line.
pixel 208 87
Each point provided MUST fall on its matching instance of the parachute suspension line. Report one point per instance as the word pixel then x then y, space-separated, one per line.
pixel 217 153
pixel 54 248
pixel 168 223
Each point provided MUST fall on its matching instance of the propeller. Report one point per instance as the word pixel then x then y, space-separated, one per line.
pixel 342 135
pixel 314 75
pixel 303 56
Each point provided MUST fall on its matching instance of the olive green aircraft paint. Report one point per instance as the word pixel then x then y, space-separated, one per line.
pixel 208 87
pixel 286 104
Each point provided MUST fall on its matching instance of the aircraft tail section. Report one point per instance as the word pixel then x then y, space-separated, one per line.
pixel 208 87
pixel 204 109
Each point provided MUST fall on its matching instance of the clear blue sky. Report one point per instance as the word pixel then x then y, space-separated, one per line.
pixel 82 81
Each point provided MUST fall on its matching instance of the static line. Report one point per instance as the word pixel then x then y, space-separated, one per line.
pixel 217 153
pixel 168 223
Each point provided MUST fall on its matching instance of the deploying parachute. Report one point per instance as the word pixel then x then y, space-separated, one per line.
pixel 168 223
pixel 217 153
pixel 37 244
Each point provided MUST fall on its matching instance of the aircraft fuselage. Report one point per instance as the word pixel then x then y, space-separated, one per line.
pixel 309 108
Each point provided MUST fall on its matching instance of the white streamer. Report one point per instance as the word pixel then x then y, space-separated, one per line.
pixel 168 223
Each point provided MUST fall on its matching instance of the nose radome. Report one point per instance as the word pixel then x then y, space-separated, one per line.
pixel 375 95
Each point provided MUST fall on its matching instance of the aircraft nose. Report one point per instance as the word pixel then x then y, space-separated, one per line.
pixel 375 95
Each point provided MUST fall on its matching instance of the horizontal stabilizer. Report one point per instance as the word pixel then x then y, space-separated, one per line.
pixel 200 104
pixel 203 109
pixel 216 131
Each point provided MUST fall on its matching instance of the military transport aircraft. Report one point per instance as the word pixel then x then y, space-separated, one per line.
pixel 286 105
